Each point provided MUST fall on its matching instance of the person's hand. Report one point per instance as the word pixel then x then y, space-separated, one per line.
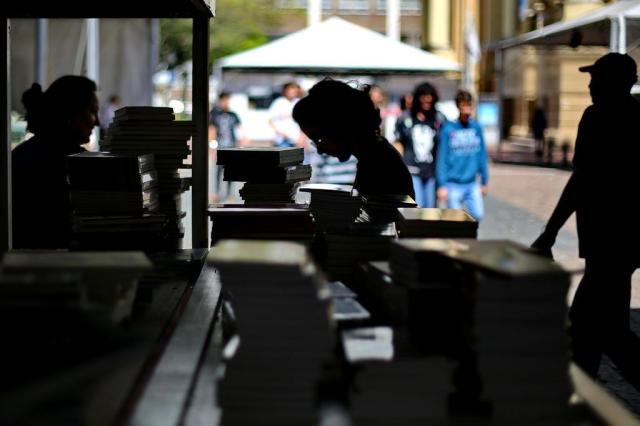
pixel 542 245
pixel 302 141
pixel 442 194
pixel 483 190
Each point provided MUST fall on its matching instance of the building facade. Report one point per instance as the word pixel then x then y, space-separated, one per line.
pixel 537 77
pixel 366 13
pixel 533 77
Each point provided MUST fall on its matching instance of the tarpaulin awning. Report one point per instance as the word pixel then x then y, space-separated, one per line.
pixel 337 46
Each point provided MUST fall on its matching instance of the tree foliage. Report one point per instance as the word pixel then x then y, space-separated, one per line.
pixel 239 25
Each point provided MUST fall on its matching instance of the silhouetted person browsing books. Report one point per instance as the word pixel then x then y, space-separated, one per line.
pixel 342 121
pixel 604 181
pixel 61 119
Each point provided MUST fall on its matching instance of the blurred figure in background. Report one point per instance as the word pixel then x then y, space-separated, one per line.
pixel 287 132
pixel 538 127
pixel 462 161
pixel 377 97
pixel 405 102
pixel 62 119
pixel 416 135
pixel 107 112
pixel 225 131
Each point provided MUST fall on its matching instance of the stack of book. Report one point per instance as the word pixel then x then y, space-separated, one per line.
pixel 388 301
pixel 271 175
pixel 416 263
pixel 344 306
pixel 107 280
pixel 104 183
pixel 361 242
pixel 265 193
pixel 172 266
pixel 517 324
pixel 27 292
pixel 436 223
pixel 383 208
pixel 292 222
pixel 401 391
pixel 153 130
pixel 283 331
pixel 334 207
pixel 114 200
pixel 520 331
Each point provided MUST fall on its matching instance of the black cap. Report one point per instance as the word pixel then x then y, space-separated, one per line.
pixel 614 65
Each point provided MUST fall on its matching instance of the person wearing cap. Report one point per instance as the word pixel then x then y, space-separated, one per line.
pixel 603 183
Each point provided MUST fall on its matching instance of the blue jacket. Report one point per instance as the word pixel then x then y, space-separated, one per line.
pixel 462 154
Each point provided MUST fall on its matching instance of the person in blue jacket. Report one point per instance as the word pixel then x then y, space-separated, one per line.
pixel 461 163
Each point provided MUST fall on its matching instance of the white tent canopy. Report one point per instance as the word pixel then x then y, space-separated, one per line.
pixel 340 47
pixel 616 26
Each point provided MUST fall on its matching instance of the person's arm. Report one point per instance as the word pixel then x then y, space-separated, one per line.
pixel 213 132
pixel 239 133
pixel 303 141
pixel 441 165
pixel 568 199
pixel 242 138
pixel 397 144
pixel 272 113
pixel 565 207
pixel 484 162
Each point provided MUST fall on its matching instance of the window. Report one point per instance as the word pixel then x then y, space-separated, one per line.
pixel 406 6
pixel 361 6
pixel 301 4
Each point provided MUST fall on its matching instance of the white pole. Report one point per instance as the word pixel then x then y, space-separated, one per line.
pixel 93 50
pixel 93 66
pixel 393 19
pixel 314 12
pixel 622 34
pixel 42 51
pixel 614 35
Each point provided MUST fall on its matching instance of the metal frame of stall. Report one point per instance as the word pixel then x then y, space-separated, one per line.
pixel 200 11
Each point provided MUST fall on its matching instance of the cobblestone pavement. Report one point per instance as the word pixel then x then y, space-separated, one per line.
pixel 519 200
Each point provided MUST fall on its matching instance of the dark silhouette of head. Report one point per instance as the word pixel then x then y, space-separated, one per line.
pixel 338 118
pixel 425 98
pixel 612 77
pixel 68 109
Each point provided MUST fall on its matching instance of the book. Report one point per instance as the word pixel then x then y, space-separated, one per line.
pixel 334 207
pixel 145 112
pixel 261 222
pixel 105 171
pixel 262 156
pixel 436 223
pixel 267 175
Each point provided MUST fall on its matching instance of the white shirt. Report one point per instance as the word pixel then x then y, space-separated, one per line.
pixel 280 115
